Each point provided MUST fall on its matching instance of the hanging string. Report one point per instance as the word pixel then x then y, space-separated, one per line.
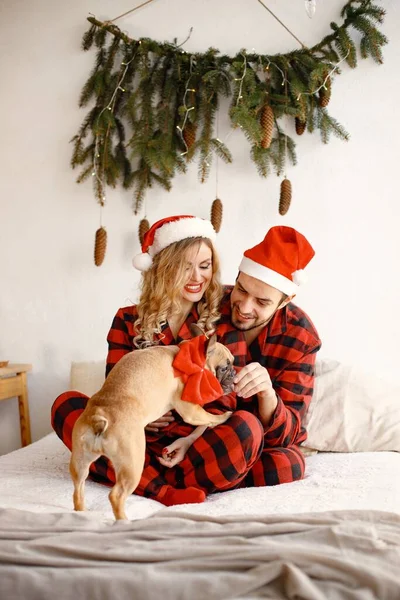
pixel 285 196
pixel 283 24
pixel 130 11
pixel 286 96
pixel 217 159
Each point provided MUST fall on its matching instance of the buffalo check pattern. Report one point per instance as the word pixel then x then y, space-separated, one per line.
pixel 239 453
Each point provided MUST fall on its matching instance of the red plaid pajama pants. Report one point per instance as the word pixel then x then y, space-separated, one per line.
pixel 228 456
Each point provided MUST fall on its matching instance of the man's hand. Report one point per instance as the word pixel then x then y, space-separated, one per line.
pixel 175 452
pixel 160 423
pixel 254 379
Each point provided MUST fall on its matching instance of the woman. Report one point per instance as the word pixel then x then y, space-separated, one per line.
pixel 180 286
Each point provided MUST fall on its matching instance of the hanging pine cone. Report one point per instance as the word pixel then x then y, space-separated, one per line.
pixel 100 246
pixel 324 94
pixel 300 126
pixel 144 226
pixel 267 125
pixel 285 197
pixel 216 214
pixel 189 134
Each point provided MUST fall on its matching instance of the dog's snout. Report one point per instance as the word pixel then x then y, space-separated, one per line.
pixel 226 374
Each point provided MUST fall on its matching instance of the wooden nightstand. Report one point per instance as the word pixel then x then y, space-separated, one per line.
pixel 13 383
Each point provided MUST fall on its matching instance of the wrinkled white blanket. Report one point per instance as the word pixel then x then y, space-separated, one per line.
pixel 36 478
pixel 319 556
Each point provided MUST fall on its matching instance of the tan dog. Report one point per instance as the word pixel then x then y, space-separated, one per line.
pixel 139 390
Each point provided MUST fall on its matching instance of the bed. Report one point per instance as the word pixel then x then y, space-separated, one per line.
pixel 335 534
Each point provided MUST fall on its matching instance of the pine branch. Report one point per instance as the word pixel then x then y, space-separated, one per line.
pixel 85 174
pixel 347 48
pixel 242 117
pixel 328 125
pixel 134 132
pixel 207 110
pixel 278 156
pixel 221 150
pixel 88 38
pixel 100 36
pixel 291 150
pixel 77 152
pixel 312 114
pixel 219 80
pixel 262 159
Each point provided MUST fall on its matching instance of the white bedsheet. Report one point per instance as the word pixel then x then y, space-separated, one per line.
pixel 36 478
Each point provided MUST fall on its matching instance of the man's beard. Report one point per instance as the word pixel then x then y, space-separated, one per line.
pixel 244 327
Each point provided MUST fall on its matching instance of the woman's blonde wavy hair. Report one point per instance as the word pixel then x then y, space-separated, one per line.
pixel 161 291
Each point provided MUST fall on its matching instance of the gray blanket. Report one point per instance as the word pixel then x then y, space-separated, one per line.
pixel 169 556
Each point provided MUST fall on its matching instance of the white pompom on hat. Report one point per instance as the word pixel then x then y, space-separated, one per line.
pixel 170 230
pixel 280 259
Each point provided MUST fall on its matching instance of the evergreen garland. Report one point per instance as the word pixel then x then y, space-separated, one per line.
pixel 145 94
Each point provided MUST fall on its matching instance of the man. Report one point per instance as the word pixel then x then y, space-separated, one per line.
pixel 276 344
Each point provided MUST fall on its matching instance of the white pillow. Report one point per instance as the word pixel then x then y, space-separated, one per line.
pixel 352 411
pixel 87 377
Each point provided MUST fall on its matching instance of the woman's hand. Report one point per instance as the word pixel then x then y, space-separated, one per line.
pixel 175 452
pixel 162 422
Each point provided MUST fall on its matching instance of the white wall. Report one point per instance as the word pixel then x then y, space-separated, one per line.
pixel 56 306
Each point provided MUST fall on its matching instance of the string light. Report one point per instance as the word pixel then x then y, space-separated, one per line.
pixel 110 107
pixel 187 108
pixel 241 79
pixel 323 84
pixel 277 67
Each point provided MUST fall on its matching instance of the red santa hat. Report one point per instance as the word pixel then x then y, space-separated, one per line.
pixel 279 260
pixel 170 230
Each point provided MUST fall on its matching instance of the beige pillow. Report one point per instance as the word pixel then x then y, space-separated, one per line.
pixel 352 411
pixel 87 377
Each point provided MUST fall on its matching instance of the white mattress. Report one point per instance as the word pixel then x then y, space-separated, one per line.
pixel 36 478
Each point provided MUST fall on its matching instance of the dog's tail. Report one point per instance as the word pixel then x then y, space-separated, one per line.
pixel 99 424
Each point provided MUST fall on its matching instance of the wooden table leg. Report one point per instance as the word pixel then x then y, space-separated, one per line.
pixel 24 421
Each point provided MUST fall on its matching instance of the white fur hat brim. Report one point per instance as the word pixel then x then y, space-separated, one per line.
pixel 175 231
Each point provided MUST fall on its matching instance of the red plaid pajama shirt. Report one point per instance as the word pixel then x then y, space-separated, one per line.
pixel 287 348
pixel 228 456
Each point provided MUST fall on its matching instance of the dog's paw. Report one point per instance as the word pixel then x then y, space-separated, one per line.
pixel 221 419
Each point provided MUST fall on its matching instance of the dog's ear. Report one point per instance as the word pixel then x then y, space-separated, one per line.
pixel 211 344
pixel 195 330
